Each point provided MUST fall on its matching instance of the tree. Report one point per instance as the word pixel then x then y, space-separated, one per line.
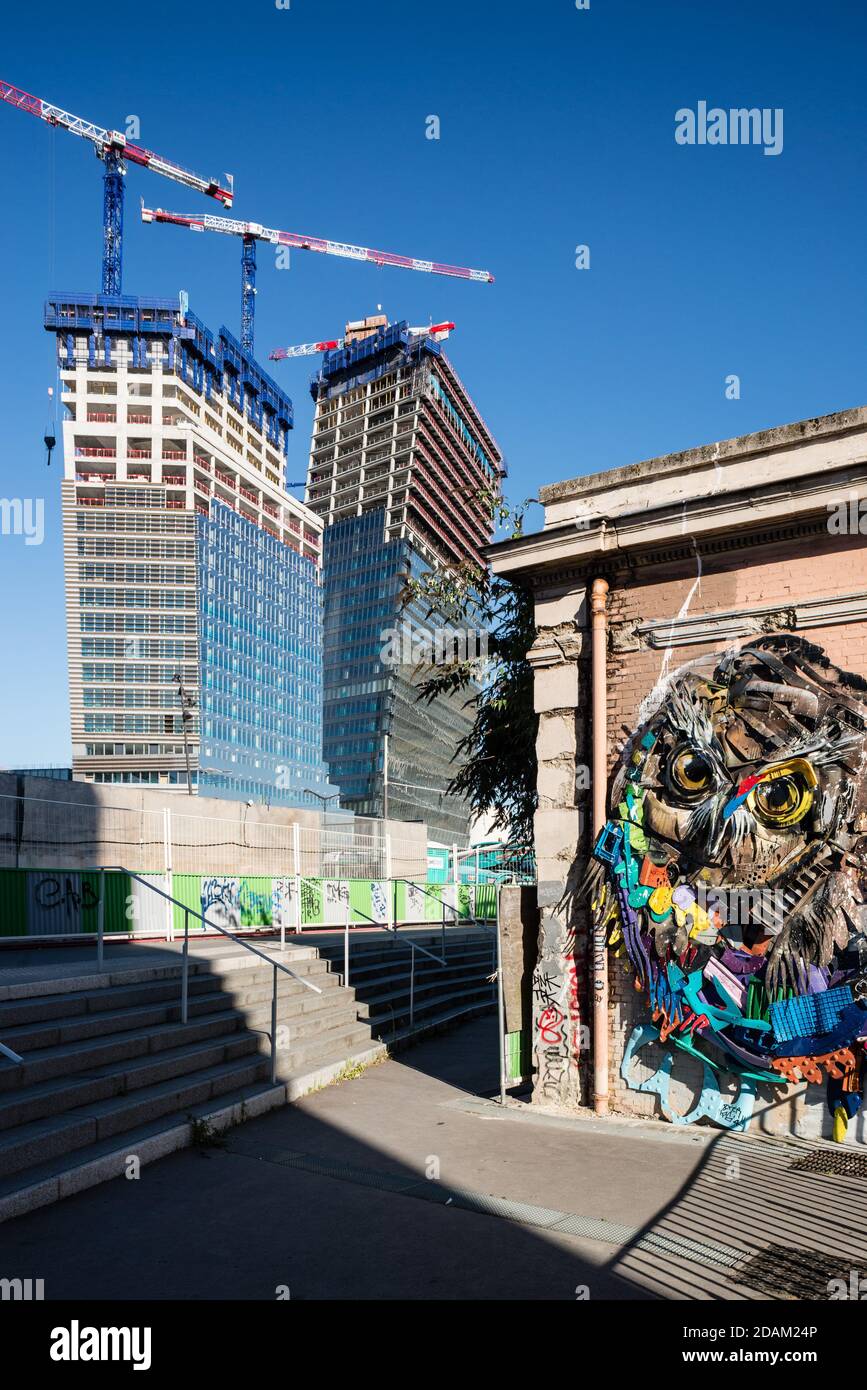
pixel 498 770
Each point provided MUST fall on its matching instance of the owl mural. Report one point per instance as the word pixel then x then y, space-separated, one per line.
pixel 732 876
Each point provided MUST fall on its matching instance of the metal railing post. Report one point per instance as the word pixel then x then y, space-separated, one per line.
pixel 274 1029
pixel 100 922
pixel 167 848
pixel 185 968
pixel 296 866
pixel 456 879
pixel 501 1008
pixel 412 987
pixel 346 943
pixel 391 920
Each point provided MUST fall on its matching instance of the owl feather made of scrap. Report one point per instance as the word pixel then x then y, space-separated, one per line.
pixel 732 871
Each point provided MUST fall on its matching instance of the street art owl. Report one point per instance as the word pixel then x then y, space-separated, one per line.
pixel 733 873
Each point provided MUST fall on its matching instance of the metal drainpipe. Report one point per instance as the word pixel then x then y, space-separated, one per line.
pixel 599 656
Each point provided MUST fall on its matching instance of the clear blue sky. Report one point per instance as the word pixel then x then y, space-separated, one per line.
pixel 557 128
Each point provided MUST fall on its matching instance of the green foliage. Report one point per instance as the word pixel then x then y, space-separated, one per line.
pixel 497 772
pixel 203 1135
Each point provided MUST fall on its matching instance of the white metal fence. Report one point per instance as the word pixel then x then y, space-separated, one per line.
pixel 38 833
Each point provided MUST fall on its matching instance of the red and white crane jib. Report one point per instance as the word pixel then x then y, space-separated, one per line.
pixel 114 139
pixel 209 222
pixel 304 350
pixel 437 331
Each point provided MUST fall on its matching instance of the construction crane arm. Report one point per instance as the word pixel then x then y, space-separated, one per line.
pixel 437 331
pixel 304 350
pixel 106 140
pixel 208 222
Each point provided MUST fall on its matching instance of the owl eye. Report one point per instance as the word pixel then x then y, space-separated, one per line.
pixel 690 772
pixel 783 800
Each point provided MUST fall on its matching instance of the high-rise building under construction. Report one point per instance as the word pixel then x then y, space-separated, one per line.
pixel 193 578
pixel 400 464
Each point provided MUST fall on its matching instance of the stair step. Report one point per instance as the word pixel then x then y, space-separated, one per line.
pixel 103 1119
pixel 77 1170
pixel 310 1022
pixel 376 998
pixel 363 979
pixel 45 1007
pixel 313 1073
pixel 482 991
pixel 68 1059
pixel 439 1020
pixel 257 992
pixel 121 1076
pixel 399 949
pixel 241 971
pixel 30 1037
pixel 309 1051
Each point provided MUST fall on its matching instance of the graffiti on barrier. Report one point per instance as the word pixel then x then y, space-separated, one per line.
pixel 336 901
pixel 221 902
pixel 283 903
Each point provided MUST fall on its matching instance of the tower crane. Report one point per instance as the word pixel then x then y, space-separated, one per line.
pixel 437 331
pixel 251 232
pixel 115 151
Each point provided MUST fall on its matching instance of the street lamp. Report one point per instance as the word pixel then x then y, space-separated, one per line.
pixel 187 706
pixel 332 796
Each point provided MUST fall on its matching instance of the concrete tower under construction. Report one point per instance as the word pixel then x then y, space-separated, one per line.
pixel 400 462
pixel 193 578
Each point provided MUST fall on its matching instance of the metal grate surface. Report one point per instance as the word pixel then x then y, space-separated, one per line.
pixel 785 1271
pixel 831 1164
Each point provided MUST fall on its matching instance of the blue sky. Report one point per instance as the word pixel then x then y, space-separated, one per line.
pixel 557 129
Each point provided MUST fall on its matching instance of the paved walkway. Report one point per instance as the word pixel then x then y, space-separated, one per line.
pixel 411 1182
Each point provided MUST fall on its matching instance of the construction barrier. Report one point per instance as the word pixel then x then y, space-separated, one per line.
pixel 64 902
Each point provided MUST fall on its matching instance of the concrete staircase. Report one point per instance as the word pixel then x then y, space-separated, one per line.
pixel 110 1074
pixel 379 974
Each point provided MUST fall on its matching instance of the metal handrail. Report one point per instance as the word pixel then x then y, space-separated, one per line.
pixel 412 945
pixel 436 896
pixel 7 1052
pixel 442 902
pixel 479 921
pixel 185 967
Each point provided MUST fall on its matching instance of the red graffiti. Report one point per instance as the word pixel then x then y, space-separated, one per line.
pixel 550 1020
pixel 574 1004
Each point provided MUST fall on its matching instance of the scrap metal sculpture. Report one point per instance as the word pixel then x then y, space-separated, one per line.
pixel 732 876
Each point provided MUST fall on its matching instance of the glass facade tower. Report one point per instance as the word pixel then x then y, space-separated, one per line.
pixel 260 661
pixel 186 560
pixel 400 458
